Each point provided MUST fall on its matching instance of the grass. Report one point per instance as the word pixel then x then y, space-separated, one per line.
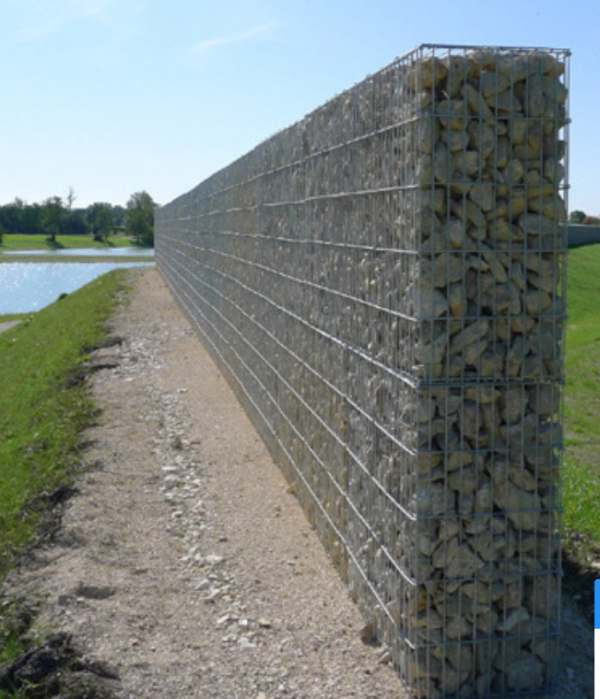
pixel 24 244
pixel 13 316
pixel 19 241
pixel 44 406
pixel 582 398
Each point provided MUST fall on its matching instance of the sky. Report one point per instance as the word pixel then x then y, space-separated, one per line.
pixel 112 97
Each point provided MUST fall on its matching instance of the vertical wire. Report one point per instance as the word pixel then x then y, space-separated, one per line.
pixel 321 411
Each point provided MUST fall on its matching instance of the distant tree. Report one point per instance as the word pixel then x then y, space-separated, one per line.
pixel 591 221
pixel 2 233
pixel 11 216
pixel 119 217
pixel 70 198
pixel 20 207
pixel 75 222
pixel 100 220
pixel 56 216
pixel 8 218
pixel 20 217
pixel 577 216
pixel 52 217
pixel 31 219
pixel 139 218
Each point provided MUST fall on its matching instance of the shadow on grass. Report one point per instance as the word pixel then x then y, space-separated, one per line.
pixel 104 241
pixel 54 244
pixel 581 568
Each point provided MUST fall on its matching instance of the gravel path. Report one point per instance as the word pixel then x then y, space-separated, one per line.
pixel 8 325
pixel 185 562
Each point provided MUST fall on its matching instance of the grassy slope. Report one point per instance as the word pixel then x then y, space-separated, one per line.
pixel 13 316
pixel 582 401
pixel 40 418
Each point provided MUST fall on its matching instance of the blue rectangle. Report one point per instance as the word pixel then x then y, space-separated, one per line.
pixel 597 605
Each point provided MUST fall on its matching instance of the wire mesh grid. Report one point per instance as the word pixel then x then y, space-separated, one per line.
pixel 383 285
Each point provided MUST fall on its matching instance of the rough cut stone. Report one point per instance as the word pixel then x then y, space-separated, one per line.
pixel 385 281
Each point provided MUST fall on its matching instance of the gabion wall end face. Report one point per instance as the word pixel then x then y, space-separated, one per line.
pixel 383 284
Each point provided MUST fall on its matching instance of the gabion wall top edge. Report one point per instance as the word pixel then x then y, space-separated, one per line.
pixel 414 54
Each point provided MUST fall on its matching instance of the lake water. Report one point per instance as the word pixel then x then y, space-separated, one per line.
pixel 26 287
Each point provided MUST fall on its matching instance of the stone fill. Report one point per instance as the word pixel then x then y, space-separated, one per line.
pixel 383 284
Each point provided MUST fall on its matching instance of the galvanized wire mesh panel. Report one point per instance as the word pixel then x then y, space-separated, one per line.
pixel 383 285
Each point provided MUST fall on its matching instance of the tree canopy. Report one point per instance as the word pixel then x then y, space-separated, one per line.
pixel 100 220
pixel 52 216
pixel 139 218
pixel 58 216
pixel 577 216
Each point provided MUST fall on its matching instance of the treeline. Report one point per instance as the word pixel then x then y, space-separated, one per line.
pixel 57 216
pixel 578 216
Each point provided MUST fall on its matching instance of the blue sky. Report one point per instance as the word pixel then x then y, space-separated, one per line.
pixel 111 97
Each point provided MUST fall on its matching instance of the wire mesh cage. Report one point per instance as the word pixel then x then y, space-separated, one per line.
pixel 383 284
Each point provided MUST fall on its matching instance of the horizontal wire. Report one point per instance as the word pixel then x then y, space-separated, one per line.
pixel 242 386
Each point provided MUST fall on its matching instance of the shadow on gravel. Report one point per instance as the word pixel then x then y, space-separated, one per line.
pixel 57 669
pixel 579 577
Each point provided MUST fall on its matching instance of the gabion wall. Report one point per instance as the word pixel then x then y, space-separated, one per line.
pixel 383 284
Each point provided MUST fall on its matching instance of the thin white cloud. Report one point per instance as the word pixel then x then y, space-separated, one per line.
pixel 90 8
pixel 42 28
pixel 241 37
pixel 50 19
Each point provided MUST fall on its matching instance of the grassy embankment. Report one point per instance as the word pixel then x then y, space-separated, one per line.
pixel 42 410
pixel 44 406
pixel 582 402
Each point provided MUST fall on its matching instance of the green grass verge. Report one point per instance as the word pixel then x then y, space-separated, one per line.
pixel 19 241
pixel 44 406
pixel 14 316
pixel 43 409
pixel 582 396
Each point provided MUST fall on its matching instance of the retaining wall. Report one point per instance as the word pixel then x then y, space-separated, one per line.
pixel 579 235
pixel 382 283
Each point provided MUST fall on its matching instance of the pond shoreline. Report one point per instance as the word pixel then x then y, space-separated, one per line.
pixel 32 284
pixel 121 254
pixel 7 259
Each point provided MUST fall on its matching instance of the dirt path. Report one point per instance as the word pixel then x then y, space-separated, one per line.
pixel 185 562
pixel 8 325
